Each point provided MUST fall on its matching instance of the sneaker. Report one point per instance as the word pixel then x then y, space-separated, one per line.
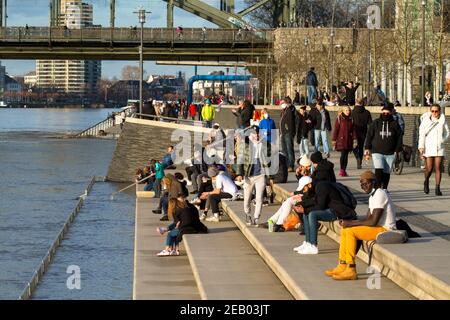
pixel 161 230
pixel 341 173
pixel 310 249
pixel 174 253
pixel 291 169
pixel 157 211
pixel 266 203
pixel 164 253
pixel 196 201
pixel 300 247
pixel 194 192
pixel 188 182
pixel 214 218
pixel 256 223
pixel 326 155
pixel 248 220
pixel 203 217
pixel 164 218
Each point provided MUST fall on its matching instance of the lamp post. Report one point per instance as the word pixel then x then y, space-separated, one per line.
pixel 424 3
pixel 142 15
pixel 306 67
pixel 257 79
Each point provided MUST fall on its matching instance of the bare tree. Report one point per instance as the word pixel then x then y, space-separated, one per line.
pixel 131 73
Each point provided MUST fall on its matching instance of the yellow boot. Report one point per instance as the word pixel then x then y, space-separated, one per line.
pixel 340 268
pixel 348 274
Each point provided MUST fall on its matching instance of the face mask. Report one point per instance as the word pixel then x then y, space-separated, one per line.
pixel 386 117
pixel 266 116
pixel 283 106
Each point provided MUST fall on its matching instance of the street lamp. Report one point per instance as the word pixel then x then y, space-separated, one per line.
pixel 142 15
pixel 424 3
pixel 306 67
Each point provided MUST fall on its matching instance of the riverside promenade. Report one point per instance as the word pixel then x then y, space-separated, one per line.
pixel 264 266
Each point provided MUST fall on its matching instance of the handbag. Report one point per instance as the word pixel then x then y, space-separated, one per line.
pixel 291 221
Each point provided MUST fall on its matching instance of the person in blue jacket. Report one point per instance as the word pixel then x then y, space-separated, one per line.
pixel 266 126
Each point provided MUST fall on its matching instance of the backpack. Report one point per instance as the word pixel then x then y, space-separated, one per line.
pixel 347 197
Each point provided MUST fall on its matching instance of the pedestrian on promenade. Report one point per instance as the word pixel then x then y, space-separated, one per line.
pixel 208 113
pixel 296 98
pixel 350 92
pixel 428 99
pixel 244 114
pixel 311 85
pixel 266 126
pixel 384 139
pixel 192 111
pixel 180 32
pixel 321 122
pixel 344 137
pixel 288 130
pixel 433 133
pixel 303 128
pixel 361 120
pixel 380 217
pixel 253 169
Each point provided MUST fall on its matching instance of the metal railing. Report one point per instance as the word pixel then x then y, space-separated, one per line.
pixel 197 123
pixel 132 35
pixel 94 130
pixel 27 293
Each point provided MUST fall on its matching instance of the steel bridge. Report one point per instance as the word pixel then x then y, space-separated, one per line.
pixel 122 44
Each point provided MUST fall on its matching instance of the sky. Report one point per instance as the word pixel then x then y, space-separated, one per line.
pixel 36 13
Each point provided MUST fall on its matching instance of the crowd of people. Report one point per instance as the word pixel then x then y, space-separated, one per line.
pixel 318 196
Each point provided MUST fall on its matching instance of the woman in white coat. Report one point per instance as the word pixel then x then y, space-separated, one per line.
pixel 433 133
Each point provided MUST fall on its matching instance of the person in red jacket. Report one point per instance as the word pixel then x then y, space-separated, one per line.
pixel 192 111
pixel 344 137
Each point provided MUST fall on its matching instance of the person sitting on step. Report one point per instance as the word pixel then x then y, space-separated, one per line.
pixel 380 217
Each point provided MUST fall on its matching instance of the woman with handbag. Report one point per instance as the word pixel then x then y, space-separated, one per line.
pixel 433 133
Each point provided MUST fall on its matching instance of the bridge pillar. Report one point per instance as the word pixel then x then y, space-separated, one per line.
pixel 54 12
pixel 112 13
pixel 1 13
pixel 170 14
pixel 227 5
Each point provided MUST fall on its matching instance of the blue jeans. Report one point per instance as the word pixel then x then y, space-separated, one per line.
pixel 383 161
pixel 208 124
pixel 318 134
pixel 310 223
pixel 312 93
pixel 171 239
pixel 164 204
pixel 303 147
pixel 287 146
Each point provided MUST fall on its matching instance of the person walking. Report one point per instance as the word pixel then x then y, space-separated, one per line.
pixel 208 113
pixel 344 137
pixel 254 170
pixel 288 130
pixel 433 133
pixel 320 118
pixel 192 111
pixel 303 129
pixel 384 139
pixel 311 85
pixel 361 121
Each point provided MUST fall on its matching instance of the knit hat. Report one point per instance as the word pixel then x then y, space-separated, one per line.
pixel 304 181
pixel 305 161
pixel 212 172
pixel 316 157
pixel 368 175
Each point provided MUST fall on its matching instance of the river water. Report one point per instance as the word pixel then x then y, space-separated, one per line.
pixel 42 175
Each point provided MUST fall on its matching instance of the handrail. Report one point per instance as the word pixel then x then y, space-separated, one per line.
pixel 107 120
pixel 178 120
pixel 31 286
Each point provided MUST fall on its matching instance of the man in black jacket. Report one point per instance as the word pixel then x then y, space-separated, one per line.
pixel 244 114
pixel 321 122
pixel 288 130
pixel 303 128
pixel 361 120
pixel 384 139
pixel 350 92
pixel 323 169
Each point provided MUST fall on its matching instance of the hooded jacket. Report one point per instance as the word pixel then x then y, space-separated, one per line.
pixel 311 79
pixel 288 122
pixel 323 172
pixel 316 119
pixel 384 137
pixel 433 135
pixel 303 127
pixel 361 120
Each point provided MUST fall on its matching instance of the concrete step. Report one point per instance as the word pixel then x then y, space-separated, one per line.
pixel 303 275
pixel 158 278
pixel 419 266
pixel 226 267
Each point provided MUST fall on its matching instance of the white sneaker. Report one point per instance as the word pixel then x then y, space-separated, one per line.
pixel 214 218
pixel 311 249
pixel 303 245
pixel 203 217
pixel 188 183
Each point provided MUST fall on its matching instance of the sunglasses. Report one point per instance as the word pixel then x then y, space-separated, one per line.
pixel 435 111
pixel 365 183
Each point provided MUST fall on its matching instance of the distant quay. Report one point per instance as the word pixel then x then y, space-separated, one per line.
pixel 61 106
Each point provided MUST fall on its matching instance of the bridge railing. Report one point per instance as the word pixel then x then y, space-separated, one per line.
pixel 61 34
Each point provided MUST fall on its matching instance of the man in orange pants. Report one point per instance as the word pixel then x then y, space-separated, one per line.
pixel 380 217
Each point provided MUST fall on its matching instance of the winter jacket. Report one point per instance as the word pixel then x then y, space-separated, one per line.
pixel 159 170
pixel 246 115
pixel 384 137
pixel 433 135
pixel 361 120
pixel 327 197
pixel 189 221
pixel 208 112
pixel 311 79
pixel 324 172
pixel 246 154
pixel 344 133
pixel 282 174
pixel 265 127
pixel 316 119
pixel 288 121
pixel 192 110
pixel 375 98
pixel 303 127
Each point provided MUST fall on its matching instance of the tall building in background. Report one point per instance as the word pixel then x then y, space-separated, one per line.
pixel 71 76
